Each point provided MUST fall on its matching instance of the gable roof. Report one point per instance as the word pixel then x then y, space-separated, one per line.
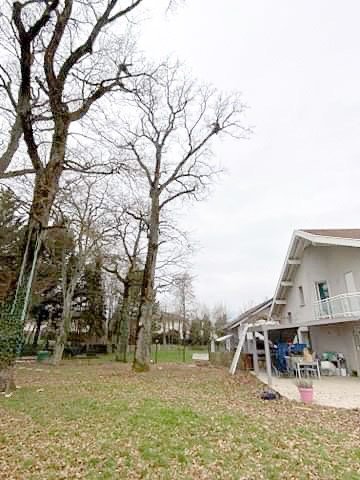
pixel 350 233
pixel 300 240
pixel 251 312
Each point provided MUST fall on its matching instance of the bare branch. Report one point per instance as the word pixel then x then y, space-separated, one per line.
pixel 87 46
pixel 17 173
pixel 115 272
pixel 13 145
pixel 187 191
pixel 59 29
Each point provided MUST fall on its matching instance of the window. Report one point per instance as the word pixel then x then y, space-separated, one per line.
pixel 301 296
pixel 322 290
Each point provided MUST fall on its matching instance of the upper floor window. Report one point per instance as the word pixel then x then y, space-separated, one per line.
pixel 322 290
pixel 301 296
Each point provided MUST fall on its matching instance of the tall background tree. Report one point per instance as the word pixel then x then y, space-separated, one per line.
pixel 82 208
pixel 167 133
pixel 95 311
pixel 78 100
pixel 220 319
pixel 70 56
pixel 125 261
pixel 184 297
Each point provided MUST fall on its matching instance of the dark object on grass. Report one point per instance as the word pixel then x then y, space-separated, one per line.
pixel 80 349
pixel 28 350
pixel 269 395
pixel 71 351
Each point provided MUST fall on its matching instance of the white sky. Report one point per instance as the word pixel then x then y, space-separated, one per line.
pixel 298 66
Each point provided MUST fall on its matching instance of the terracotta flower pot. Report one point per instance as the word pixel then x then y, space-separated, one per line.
pixel 306 394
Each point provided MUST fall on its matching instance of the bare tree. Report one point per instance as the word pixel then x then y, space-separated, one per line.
pixel 220 318
pixel 126 265
pixel 168 130
pixel 70 57
pixel 82 211
pixel 130 230
pixel 112 289
pixel 184 295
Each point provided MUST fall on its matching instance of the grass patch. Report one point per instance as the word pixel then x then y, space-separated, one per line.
pixel 102 421
pixel 165 354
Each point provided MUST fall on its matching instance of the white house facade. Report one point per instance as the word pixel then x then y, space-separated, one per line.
pixel 319 288
pixel 316 301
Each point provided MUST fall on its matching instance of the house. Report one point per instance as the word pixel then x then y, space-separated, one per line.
pixel 256 315
pixel 317 298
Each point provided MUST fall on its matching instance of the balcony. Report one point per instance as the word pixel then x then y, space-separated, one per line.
pixel 346 305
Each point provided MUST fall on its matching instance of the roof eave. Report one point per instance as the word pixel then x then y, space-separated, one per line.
pixel 250 313
pixel 327 240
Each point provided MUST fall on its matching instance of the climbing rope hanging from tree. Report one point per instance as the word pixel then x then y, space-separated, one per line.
pixel 14 312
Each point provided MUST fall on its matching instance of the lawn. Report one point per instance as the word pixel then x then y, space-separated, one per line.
pixel 98 420
pixel 165 353
pixel 175 353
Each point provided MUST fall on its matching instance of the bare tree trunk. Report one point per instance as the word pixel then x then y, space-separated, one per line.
pixel 164 330
pixel 122 346
pixel 61 338
pixel 122 335
pixel 143 330
pixel 13 145
pixel 64 328
pixel 7 382
pixel 30 334
pixel 172 331
pixel 37 332
pixel 59 346
pixel 143 339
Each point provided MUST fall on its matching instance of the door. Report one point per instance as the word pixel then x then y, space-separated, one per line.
pixel 352 304
pixel 322 291
pixel 350 282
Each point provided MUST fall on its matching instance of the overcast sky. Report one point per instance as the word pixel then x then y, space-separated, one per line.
pixel 298 66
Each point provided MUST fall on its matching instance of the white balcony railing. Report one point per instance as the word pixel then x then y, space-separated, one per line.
pixel 344 305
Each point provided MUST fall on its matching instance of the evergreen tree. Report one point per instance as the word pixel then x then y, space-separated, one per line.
pixel 196 332
pixel 11 239
pixel 156 319
pixel 207 329
pixel 220 317
pixel 95 314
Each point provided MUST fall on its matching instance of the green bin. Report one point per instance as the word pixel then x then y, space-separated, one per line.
pixel 42 355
